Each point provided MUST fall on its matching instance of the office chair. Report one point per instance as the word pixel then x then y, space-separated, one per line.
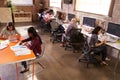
pixel 39 56
pixel 45 27
pixel 88 55
pixel 37 60
pixel 56 32
pixel 75 41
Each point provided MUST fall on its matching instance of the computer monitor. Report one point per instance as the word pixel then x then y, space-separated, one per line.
pixel 70 16
pixel 89 21
pixel 113 29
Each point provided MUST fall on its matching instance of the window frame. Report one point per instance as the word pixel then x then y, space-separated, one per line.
pixel 109 12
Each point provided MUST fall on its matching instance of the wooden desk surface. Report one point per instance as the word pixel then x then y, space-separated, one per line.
pixel 7 56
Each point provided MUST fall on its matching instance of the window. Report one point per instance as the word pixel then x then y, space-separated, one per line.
pixel 22 2
pixel 101 7
pixel 55 3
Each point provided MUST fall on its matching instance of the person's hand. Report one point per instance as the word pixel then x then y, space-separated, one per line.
pixel 20 43
pixel 26 44
pixel 103 42
pixel 17 36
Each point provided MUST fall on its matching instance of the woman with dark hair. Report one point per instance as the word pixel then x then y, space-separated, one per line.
pixel 9 31
pixel 99 46
pixel 60 18
pixel 34 44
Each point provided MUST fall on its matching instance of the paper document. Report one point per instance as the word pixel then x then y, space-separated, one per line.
pixel 3 44
pixel 20 50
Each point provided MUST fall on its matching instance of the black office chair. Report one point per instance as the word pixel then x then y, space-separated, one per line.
pixel 89 54
pixel 45 27
pixel 56 32
pixel 75 41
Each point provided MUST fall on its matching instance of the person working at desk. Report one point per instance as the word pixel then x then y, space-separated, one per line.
pixel 99 46
pixel 35 45
pixel 9 32
pixel 47 19
pixel 66 35
pixel 60 18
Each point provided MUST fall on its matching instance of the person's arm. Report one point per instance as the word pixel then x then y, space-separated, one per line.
pixel 97 42
pixel 94 41
pixel 101 43
pixel 25 40
pixel 2 33
pixel 35 42
pixel 68 29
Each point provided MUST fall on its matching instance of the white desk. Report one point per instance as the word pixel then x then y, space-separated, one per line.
pixel 84 32
pixel 116 46
pixel 111 44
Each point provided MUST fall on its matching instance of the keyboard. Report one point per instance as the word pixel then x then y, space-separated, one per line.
pixel 107 38
pixel 111 40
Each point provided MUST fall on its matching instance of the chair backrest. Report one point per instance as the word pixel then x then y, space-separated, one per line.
pixel 76 36
pixel 86 47
pixel 54 24
pixel 43 49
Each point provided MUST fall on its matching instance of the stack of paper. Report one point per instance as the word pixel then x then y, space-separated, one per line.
pixel 4 44
pixel 20 50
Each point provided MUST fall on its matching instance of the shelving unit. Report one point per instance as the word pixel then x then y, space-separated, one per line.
pixel 22 16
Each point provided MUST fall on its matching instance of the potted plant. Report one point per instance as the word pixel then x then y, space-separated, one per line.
pixel 9 4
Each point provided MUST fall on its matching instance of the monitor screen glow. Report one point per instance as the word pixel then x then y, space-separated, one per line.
pixel 89 21
pixel 113 29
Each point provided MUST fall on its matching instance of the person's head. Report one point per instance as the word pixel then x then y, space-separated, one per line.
pixel 10 26
pixel 60 15
pixel 32 33
pixel 50 12
pixel 73 20
pixel 97 30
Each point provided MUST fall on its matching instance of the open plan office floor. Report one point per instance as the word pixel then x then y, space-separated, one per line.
pixel 60 65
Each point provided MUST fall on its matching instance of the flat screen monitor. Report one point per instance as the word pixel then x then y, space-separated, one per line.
pixel 113 29
pixel 89 21
pixel 70 16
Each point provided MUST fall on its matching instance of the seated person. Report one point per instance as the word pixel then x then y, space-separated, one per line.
pixel 60 18
pixel 41 12
pixel 98 46
pixel 66 35
pixel 35 45
pixel 9 32
pixel 47 19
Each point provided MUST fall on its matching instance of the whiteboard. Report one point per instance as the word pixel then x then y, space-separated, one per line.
pixel 22 2
pixel 5 15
